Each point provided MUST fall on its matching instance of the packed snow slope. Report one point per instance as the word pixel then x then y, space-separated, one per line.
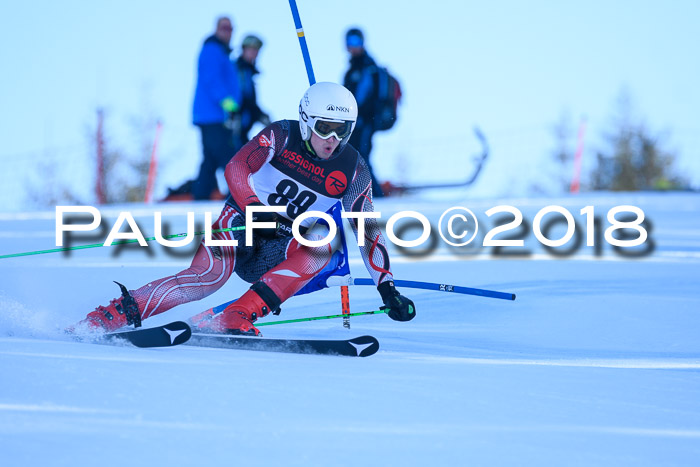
pixel 595 363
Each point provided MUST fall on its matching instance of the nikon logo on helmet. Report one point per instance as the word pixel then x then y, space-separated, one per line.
pixel 337 108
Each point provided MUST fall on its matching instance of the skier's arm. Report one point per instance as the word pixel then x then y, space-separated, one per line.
pixel 358 198
pixel 250 158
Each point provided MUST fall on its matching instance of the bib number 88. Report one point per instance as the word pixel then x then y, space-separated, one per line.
pixel 287 194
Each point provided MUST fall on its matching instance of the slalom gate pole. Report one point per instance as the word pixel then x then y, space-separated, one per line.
pixel 123 242
pixel 441 288
pixel 316 318
pixel 344 290
pixel 99 154
pixel 152 167
pixel 302 42
pixel 576 179
pixel 345 305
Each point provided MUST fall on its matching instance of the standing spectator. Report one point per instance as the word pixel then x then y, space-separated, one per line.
pixel 361 80
pixel 216 98
pixel 249 111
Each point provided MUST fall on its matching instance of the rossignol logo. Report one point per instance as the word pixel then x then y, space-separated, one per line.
pixel 337 108
pixel 297 160
pixel 336 183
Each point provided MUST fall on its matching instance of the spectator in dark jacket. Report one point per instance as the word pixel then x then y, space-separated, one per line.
pixel 361 80
pixel 216 97
pixel 249 112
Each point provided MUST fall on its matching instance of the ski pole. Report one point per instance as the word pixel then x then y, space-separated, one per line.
pixel 441 288
pixel 315 318
pixel 399 283
pixel 96 245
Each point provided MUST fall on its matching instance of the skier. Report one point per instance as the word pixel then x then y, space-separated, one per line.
pixel 300 165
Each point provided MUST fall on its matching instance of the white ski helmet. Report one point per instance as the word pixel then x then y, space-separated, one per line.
pixel 328 109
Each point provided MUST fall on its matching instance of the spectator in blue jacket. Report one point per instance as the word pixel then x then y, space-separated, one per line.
pixel 249 112
pixel 361 80
pixel 217 97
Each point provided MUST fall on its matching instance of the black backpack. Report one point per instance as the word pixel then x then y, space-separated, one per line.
pixel 388 97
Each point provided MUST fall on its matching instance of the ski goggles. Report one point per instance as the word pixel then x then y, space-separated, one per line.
pixel 324 129
pixel 354 40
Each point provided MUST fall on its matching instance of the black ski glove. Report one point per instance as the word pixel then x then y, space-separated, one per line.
pixel 267 232
pixel 400 307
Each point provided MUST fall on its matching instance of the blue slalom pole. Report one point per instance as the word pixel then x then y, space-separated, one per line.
pixel 302 42
pixel 344 291
pixel 441 288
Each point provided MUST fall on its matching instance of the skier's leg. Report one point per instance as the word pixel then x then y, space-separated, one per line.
pixel 209 271
pixel 298 266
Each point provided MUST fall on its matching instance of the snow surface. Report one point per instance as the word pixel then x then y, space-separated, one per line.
pixel 595 363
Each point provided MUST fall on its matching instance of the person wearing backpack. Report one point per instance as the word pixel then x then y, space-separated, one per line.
pixel 362 80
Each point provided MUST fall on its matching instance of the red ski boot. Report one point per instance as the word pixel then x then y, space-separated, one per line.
pixel 238 317
pixel 120 312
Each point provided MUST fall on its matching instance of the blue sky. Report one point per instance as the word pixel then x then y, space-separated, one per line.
pixel 513 68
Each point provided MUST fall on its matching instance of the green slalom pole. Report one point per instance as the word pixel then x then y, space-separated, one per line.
pixel 315 318
pixel 123 242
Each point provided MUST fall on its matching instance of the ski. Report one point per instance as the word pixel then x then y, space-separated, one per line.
pixel 362 346
pixel 166 335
